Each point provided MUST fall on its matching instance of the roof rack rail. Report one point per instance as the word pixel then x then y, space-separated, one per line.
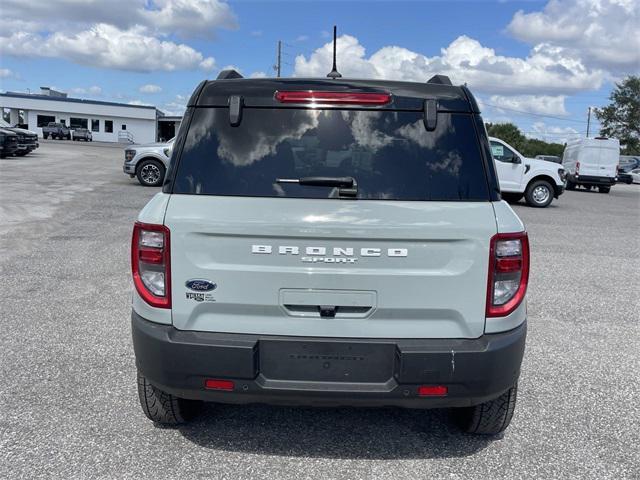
pixel 440 80
pixel 229 74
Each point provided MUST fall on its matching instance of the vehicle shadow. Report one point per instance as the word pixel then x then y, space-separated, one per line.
pixel 339 433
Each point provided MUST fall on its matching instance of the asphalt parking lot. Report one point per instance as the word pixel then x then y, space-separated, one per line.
pixel 68 401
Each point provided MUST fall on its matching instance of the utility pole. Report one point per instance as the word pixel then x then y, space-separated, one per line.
pixel 588 121
pixel 278 64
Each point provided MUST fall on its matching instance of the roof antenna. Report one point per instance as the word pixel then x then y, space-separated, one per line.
pixel 334 71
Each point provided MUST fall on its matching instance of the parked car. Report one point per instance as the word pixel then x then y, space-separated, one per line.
pixel 538 181
pixel 82 134
pixel 629 162
pixel 549 158
pixel 635 175
pixel 27 140
pixel 328 243
pixel 591 163
pixel 148 162
pixel 8 143
pixel 56 130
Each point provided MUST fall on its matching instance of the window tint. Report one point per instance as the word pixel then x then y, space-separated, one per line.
pixel 501 152
pixel 390 154
pixel 108 126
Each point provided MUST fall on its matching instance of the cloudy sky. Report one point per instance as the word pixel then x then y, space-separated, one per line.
pixel 540 64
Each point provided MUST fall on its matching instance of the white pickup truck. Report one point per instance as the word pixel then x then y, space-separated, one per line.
pixel 538 181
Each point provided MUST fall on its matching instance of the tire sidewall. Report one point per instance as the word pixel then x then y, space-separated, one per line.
pixel 531 188
pixel 148 162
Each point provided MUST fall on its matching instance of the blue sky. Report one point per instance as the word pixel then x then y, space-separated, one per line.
pixel 542 58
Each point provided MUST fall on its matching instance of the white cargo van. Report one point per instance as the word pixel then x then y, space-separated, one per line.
pixel 592 162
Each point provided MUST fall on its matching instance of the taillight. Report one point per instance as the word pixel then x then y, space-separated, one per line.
pixel 333 98
pixel 577 167
pixel 151 263
pixel 508 273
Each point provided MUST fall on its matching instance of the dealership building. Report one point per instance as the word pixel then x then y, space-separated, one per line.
pixel 107 121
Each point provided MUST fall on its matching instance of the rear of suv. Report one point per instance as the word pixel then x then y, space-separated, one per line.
pixel 330 242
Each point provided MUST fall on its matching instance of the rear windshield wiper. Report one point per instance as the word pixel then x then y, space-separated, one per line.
pixel 347 186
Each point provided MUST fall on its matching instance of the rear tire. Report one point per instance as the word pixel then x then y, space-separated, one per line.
pixel 539 194
pixel 512 197
pixel 489 418
pixel 604 189
pixel 164 408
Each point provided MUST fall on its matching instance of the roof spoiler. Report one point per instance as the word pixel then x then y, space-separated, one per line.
pixel 229 74
pixel 440 80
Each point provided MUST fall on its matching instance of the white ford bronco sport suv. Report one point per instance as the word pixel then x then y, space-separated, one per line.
pixel 330 242
pixel 538 181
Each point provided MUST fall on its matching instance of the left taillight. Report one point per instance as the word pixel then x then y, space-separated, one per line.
pixel 508 273
pixel 151 263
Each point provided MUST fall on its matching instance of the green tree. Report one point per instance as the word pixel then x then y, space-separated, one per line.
pixel 529 147
pixel 621 118
pixel 509 133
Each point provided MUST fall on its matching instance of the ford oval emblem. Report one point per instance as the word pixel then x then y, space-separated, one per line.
pixel 199 285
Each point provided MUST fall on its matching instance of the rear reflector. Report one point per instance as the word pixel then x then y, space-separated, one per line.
pixel 432 391
pixel 216 384
pixel 333 98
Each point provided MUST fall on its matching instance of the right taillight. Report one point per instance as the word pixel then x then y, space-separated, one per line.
pixel 150 263
pixel 508 273
pixel 577 168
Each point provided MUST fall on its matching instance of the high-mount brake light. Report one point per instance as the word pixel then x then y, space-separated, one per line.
pixel 508 273
pixel 333 98
pixel 151 264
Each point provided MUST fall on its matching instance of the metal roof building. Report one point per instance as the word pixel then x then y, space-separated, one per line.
pixel 108 121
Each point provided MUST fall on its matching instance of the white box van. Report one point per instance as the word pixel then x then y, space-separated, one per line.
pixel 592 162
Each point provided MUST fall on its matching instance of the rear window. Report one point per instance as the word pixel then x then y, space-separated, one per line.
pixel 389 153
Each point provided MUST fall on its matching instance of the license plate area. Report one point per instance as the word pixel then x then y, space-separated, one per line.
pixel 326 361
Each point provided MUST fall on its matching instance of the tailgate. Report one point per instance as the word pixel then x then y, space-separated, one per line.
pixel 330 268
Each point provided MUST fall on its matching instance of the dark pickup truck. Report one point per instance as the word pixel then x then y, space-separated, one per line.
pixel 8 143
pixel 56 130
pixel 27 140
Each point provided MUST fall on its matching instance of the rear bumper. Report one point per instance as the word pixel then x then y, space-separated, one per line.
pixel 305 370
pixel 590 180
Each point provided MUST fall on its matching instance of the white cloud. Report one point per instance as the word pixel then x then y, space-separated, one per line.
pixel 540 104
pixel 6 73
pixel 108 46
pixel 119 34
pixel 139 103
pixel 552 133
pixel 93 90
pixel 190 18
pixel 258 75
pixel 302 38
pixel 545 71
pixel 150 88
pixel 256 33
pixel 186 18
pixel 602 33
pixel 175 107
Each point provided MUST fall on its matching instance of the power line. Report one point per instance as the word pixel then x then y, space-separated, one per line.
pixel 523 112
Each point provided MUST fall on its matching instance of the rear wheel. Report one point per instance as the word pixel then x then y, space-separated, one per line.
pixel 162 407
pixel 512 197
pixel 604 189
pixel 539 194
pixel 150 173
pixel 489 418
